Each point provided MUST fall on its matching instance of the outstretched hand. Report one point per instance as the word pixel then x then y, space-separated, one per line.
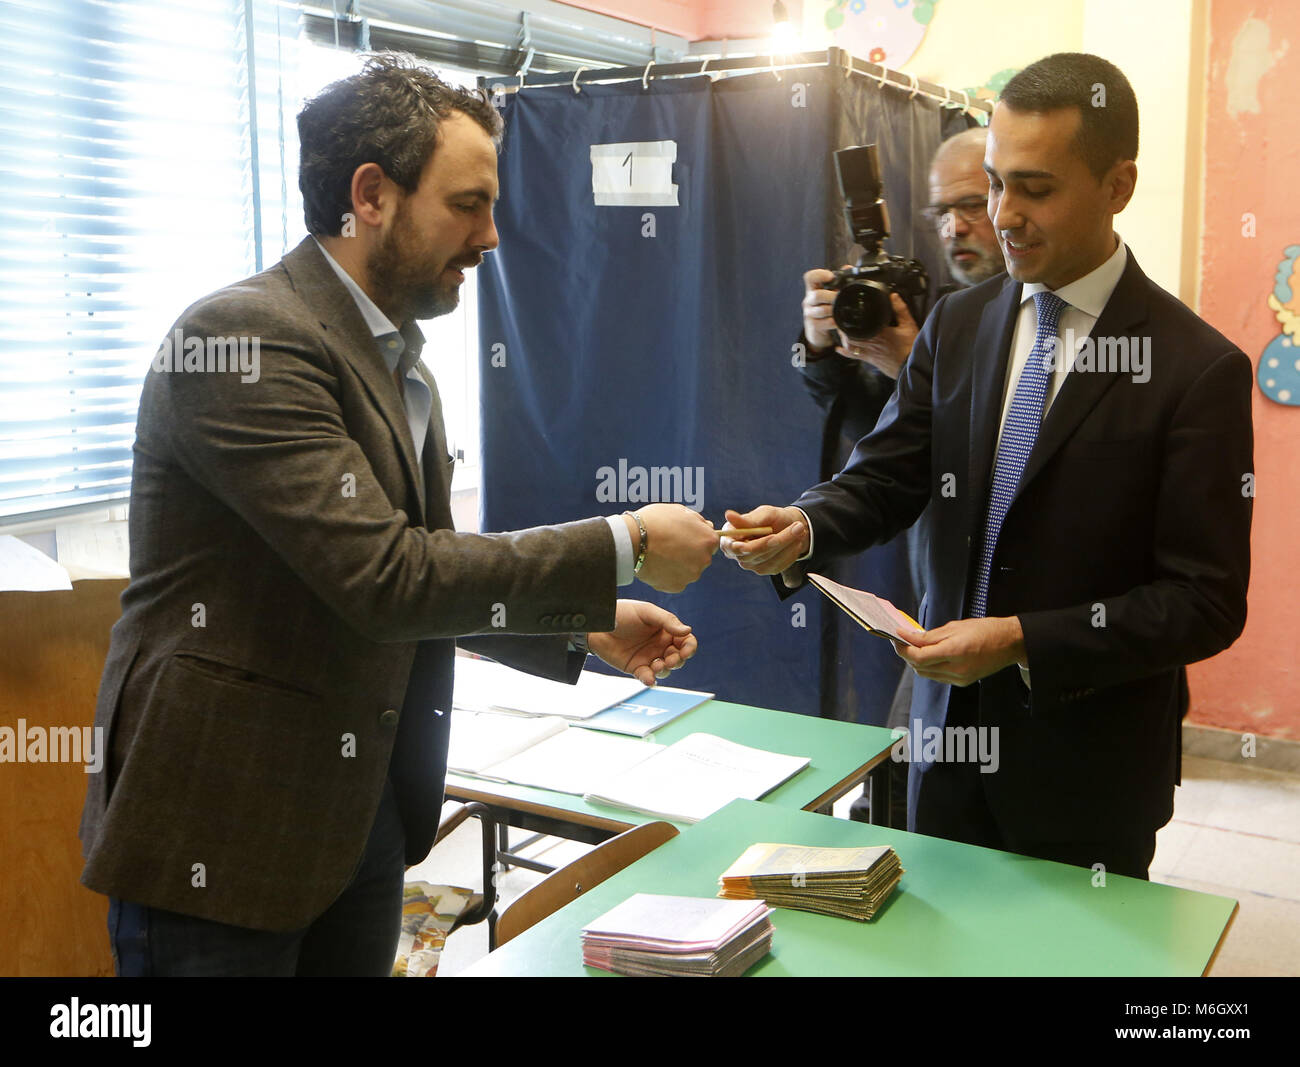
pixel 647 641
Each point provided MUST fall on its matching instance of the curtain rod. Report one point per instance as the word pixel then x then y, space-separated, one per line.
pixel 832 57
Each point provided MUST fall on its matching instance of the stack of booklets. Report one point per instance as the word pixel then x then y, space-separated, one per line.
pixel 663 936
pixel 850 883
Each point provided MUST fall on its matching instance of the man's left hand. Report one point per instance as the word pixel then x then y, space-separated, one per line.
pixel 965 651
pixel 646 641
pixel 889 349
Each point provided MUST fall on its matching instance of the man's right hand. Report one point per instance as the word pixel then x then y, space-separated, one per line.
pixel 818 323
pixel 775 553
pixel 680 545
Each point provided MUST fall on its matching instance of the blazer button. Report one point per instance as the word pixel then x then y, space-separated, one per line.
pixel 579 621
pixel 388 718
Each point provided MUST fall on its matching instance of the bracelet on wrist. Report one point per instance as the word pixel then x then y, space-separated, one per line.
pixel 645 541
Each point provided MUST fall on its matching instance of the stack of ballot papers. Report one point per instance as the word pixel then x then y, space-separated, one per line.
pixel 850 883
pixel 685 781
pixel 661 936
pixel 874 614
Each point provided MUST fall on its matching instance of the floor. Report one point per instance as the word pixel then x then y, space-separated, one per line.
pixel 1235 833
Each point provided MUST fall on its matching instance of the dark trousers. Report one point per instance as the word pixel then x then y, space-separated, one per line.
pixel 947 800
pixel 356 936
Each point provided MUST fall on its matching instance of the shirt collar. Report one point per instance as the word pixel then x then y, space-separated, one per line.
pixel 1091 292
pixel 393 343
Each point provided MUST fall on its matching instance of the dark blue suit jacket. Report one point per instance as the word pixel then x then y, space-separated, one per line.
pixel 1134 499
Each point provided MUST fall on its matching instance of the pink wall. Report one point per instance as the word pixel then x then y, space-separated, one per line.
pixel 1252 165
pixel 695 19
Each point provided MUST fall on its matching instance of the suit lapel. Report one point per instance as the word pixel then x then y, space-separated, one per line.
pixel 437 463
pixel 339 316
pixel 1082 390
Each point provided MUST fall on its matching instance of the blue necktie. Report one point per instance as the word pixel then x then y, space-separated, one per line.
pixel 1018 436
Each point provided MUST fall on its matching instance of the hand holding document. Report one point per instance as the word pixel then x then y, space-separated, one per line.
pixel 771 553
pixel 679 545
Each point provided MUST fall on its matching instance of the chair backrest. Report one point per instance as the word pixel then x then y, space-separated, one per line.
pixel 569 882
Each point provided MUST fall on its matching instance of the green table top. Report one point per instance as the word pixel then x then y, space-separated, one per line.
pixel 841 754
pixel 960 910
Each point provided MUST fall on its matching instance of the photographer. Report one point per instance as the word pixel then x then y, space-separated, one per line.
pixel 852 380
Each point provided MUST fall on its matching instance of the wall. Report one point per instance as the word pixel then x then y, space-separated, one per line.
pixel 1251 215
pixel 695 19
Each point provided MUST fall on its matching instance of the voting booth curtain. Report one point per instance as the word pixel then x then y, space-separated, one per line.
pixel 636 329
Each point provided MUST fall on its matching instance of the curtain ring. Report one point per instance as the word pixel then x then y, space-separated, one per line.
pixel 965 96
pixel 884 77
pixel 576 90
pixel 916 87
pixel 705 63
pixel 645 75
pixel 848 66
pixel 774 70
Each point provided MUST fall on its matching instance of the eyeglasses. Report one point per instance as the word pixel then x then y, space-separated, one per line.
pixel 970 209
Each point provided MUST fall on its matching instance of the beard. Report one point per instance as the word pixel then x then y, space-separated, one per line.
pixel 981 269
pixel 408 276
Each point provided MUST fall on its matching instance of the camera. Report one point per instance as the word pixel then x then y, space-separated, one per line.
pixel 862 308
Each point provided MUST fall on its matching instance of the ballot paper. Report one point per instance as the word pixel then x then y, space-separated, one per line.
pixel 483 685
pixel 851 883
pixel 644 713
pixel 650 934
pixel 691 779
pixel 28 569
pixel 574 760
pixel 874 614
pixel 482 739
pixel 94 549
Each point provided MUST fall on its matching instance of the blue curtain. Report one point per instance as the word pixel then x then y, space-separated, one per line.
pixel 603 347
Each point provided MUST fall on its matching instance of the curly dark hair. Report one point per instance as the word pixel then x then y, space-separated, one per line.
pixel 387 114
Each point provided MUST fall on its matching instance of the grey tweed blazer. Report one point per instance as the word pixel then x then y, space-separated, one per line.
pixel 288 634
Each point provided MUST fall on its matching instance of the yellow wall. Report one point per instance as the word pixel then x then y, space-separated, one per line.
pixel 1156 43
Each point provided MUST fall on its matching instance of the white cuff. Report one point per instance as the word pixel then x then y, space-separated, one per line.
pixel 624 556
pixel 808 554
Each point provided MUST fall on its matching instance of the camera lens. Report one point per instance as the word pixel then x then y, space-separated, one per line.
pixel 862 309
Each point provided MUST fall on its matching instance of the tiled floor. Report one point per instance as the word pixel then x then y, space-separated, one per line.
pixel 1235 833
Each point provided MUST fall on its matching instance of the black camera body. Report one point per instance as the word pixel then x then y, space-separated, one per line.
pixel 862 307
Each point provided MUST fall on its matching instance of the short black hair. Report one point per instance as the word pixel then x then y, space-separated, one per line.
pixel 388 114
pixel 1108 113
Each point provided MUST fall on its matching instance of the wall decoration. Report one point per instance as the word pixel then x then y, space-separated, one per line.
pixel 1279 364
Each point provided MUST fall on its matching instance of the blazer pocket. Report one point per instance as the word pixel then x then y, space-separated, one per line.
pixel 202 663
pixel 246 753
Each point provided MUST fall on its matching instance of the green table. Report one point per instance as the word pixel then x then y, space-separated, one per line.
pixel 960 910
pixel 843 754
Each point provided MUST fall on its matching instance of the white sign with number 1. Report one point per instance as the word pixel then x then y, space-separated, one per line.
pixel 634 173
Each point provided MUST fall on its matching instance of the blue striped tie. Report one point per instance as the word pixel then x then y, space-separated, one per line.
pixel 1018 437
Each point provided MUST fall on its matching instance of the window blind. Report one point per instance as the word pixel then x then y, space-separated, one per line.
pixel 143 152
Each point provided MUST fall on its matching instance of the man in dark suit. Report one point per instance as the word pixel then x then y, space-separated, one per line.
pixel 852 381
pixel 277 693
pixel 1086 442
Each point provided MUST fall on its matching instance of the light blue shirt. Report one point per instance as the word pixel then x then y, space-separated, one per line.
pixel 417 400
